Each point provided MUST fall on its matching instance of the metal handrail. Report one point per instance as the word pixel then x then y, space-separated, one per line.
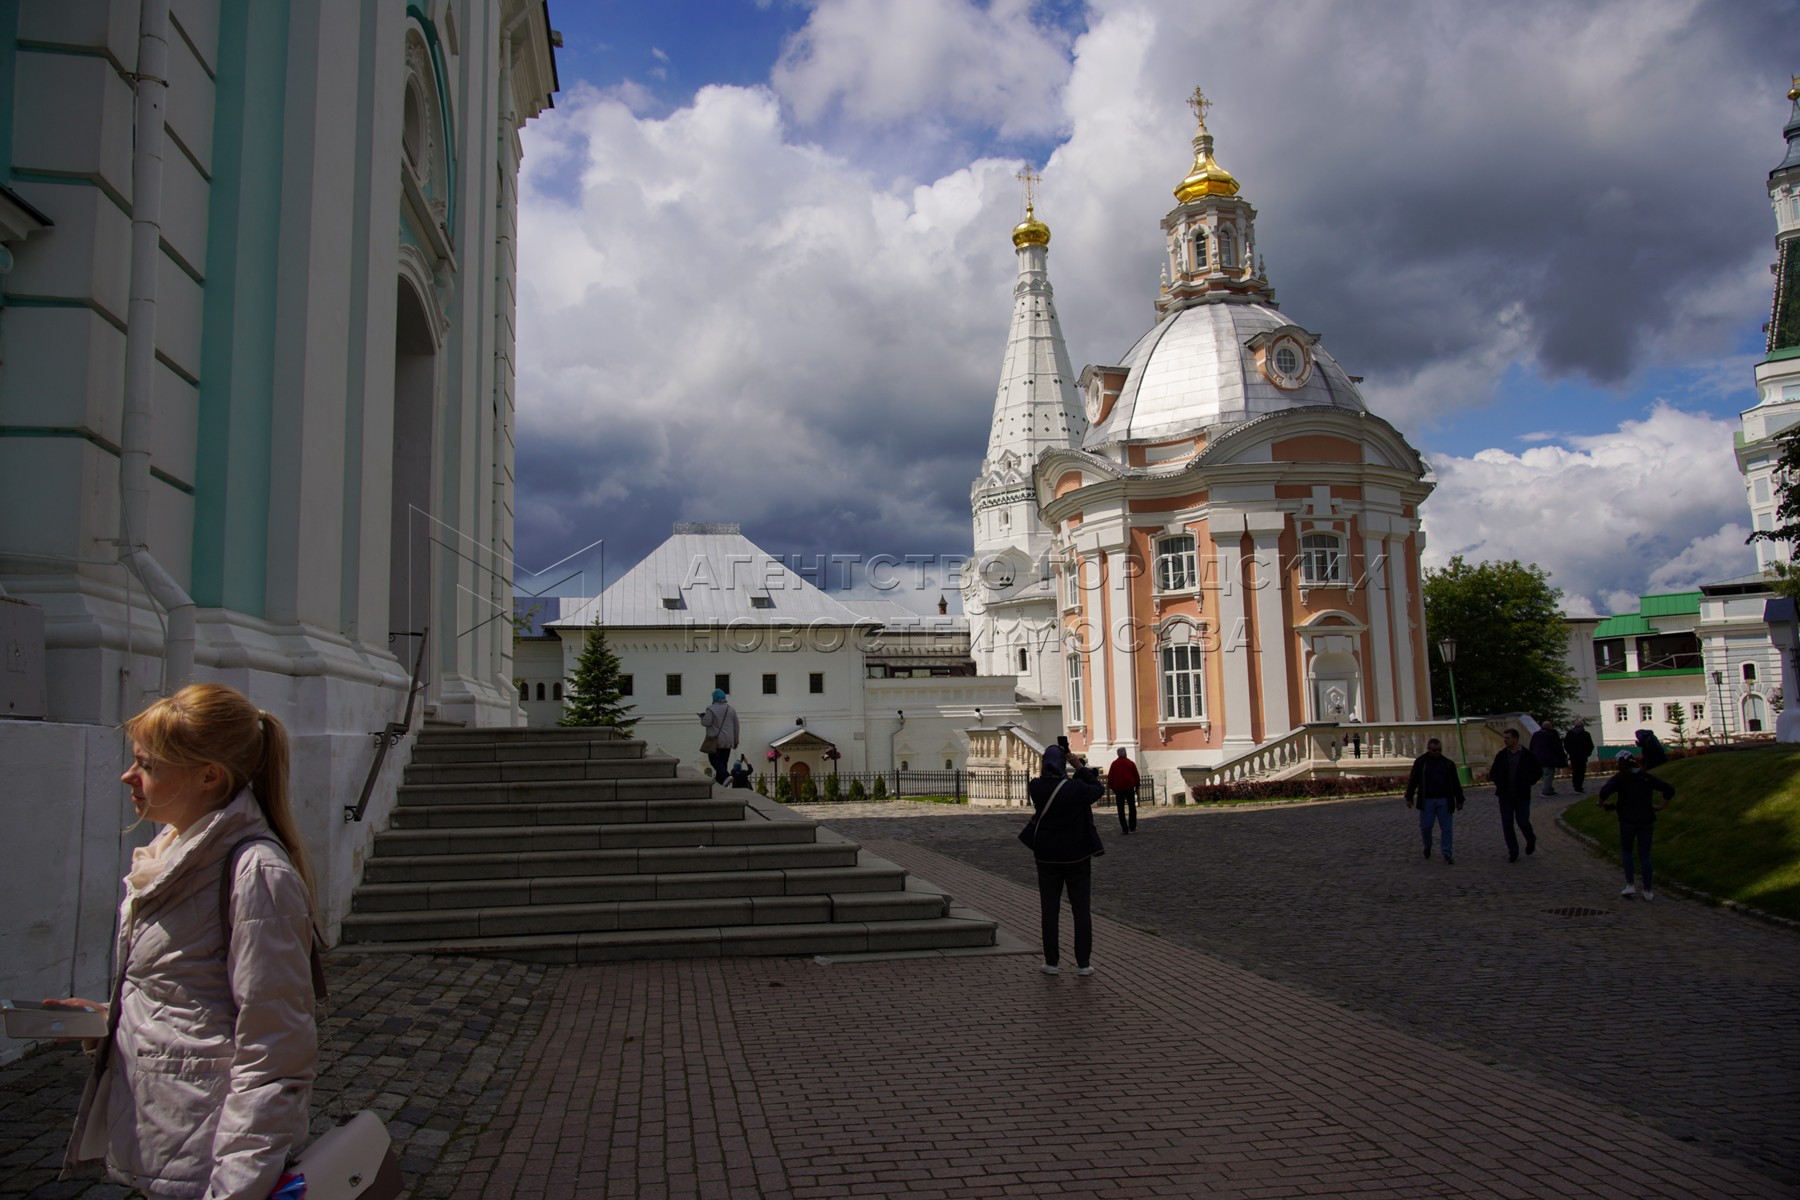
pixel 389 736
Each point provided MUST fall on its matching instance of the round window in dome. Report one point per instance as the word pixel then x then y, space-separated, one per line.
pixel 1286 364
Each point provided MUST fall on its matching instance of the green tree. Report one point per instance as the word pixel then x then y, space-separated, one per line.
pixel 783 790
pixel 857 790
pixel 762 784
pixel 594 697
pixel 1678 723
pixel 1511 641
pixel 832 791
pixel 809 791
pixel 881 789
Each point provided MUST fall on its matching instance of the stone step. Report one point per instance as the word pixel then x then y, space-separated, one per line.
pixel 643 860
pixel 518 734
pixel 874 875
pixel 585 812
pixel 607 916
pixel 486 840
pixel 562 750
pixel 961 929
pixel 542 770
pixel 682 787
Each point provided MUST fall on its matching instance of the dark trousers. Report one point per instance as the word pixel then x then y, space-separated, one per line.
pixel 1577 773
pixel 1126 800
pixel 1518 810
pixel 719 759
pixel 1079 877
pixel 1636 837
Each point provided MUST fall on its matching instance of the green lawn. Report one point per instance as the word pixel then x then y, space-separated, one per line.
pixel 1733 829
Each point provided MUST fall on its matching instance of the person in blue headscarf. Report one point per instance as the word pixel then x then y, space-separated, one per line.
pixel 721 724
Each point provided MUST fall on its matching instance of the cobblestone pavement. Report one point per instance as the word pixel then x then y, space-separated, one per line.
pixel 1490 1048
pixel 1683 1015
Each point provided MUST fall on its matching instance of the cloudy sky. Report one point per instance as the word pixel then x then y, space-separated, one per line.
pixel 766 268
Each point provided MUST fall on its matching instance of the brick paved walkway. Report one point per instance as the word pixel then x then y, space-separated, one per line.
pixel 1493 1051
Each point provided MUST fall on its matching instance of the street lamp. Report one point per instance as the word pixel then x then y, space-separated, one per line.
pixel 1724 712
pixel 1447 652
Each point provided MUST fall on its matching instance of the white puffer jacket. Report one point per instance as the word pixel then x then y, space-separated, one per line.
pixel 207 1088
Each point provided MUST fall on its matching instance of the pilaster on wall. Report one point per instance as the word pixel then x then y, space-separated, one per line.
pixel 1122 639
pixel 1226 530
pixel 1265 529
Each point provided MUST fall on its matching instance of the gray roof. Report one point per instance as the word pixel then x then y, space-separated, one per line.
pixel 709 579
pixel 899 618
pixel 1193 370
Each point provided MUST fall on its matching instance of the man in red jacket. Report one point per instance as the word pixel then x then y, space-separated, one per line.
pixel 1122 778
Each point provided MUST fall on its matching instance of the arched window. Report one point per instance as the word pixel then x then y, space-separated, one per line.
pixel 540 691
pixel 905 765
pixel 949 765
pixel 1024 660
pixel 556 691
pixel 1197 256
pixel 1175 566
pixel 1321 558
pixel 1227 249
pixel 1749 672
pixel 524 690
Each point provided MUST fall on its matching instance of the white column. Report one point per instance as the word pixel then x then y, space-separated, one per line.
pixel 1378 582
pixel 1405 636
pixel 1271 627
pixel 1233 708
pixel 1121 642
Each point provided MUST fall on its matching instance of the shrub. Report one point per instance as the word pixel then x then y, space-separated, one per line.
pixel 782 790
pixel 762 784
pixel 809 791
pixel 1299 789
pixel 880 792
pixel 858 791
pixel 832 791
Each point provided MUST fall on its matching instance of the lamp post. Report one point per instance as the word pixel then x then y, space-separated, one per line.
pixel 1724 712
pixel 1447 652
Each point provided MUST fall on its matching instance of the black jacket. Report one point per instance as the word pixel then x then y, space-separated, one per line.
pixel 1510 783
pixel 1547 748
pixel 1579 744
pixel 1636 803
pixel 1434 778
pixel 1062 833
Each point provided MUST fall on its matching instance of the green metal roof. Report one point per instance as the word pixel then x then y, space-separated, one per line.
pixel 1670 604
pixel 1623 625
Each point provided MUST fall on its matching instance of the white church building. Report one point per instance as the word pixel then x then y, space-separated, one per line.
pixel 256 366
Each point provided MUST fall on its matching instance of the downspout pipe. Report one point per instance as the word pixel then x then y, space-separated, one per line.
pixel 140 349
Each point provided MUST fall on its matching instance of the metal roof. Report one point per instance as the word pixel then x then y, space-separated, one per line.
pixel 709 579
pixel 1623 625
pixel 1670 604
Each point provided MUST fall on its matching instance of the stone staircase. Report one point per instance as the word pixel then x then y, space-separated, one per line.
pixel 575 845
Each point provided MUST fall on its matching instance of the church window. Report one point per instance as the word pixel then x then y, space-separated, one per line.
pixel 1198 255
pixel 540 691
pixel 671 685
pixel 905 765
pixel 769 684
pixel 1024 660
pixel 1321 558
pixel 556 691
pixel 1072 583
pixel 1175 566
pixel 625 685
pixel 1076 715
pixel 524 690
pixel 1286 361
pixel 1182 693
pixel 1005 519
pixel 1621 713
pixel 412 130
pixel 1749 672
pixel 722 683
pixel 815 683
pixel 1227 249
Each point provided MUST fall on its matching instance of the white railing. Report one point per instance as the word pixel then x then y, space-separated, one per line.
pixel 1356 748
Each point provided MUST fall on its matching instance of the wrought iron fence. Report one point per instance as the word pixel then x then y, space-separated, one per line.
pixel 991 785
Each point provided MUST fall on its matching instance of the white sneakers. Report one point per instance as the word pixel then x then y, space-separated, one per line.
pixel 1084 970
pixel 1628 890
pixel 1050 969
pixel 1648 895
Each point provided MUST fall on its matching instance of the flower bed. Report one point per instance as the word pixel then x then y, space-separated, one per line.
pixel 1299 789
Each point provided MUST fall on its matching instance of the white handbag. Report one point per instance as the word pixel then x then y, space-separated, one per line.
pixel 355 1161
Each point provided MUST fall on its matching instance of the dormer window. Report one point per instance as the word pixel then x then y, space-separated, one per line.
pixel 674 602
pixel 762 602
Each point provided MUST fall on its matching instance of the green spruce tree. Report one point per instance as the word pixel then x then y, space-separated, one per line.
pixel 594 697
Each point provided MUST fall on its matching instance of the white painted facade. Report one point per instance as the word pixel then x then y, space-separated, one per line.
pixel 1778 374
pixel 294 380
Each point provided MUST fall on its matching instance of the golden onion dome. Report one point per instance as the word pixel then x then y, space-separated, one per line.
pixel 1031 231
pixel 1207 178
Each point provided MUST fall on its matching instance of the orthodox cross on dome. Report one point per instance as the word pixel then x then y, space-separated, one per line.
pixel 1200 104
pixel 1030 179
pixel 1030 231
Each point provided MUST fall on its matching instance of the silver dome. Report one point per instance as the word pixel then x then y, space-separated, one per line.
pixel 1194 370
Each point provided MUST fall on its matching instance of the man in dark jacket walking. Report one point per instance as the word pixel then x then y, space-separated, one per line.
pixel 1633 793
pixel 1547 748
pixel 1064 847
pixel 1578 743
pixel 1513 773
pixel 1438 791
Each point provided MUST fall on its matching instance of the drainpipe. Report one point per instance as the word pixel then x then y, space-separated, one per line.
pixel 140 348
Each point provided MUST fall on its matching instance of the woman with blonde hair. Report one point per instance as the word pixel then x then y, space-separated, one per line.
pixel 203 1085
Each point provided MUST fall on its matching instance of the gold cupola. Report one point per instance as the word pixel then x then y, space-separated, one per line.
pixel 1207 178
pixel 1031 231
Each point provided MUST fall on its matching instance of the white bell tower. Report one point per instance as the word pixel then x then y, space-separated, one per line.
pixel 1010 593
